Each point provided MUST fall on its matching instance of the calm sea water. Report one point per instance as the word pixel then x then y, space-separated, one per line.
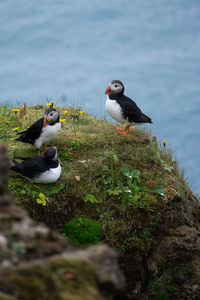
pixel 69 51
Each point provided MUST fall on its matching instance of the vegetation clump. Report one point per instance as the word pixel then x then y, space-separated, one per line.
pixel 82 231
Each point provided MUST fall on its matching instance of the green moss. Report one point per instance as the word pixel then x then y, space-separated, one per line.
pixel 84 274
pixel 35 283
pixel 82 231
pixel 60 279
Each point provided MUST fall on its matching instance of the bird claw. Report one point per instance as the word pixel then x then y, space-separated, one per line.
pixel 122 131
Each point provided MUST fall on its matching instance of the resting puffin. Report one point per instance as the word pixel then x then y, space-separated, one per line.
pixel 39 169
pixel 43 130
pixel 123 109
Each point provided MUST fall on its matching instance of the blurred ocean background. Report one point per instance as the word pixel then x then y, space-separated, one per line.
pixel 68 51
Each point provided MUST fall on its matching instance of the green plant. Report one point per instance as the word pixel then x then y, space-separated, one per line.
pixel 112 162
pixel 76 144
pixel 66 155
pixel 75 118
pixel 41 199
pixel 129 190
pixel 47 190
pixel 163 286
pixel 41 192
pixel 90 198
pixel 55 189
pixel 82 231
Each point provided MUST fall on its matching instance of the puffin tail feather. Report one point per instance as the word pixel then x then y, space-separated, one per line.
pixel 22 158
pixel 146 119
pixel 21 132
pixel 19 139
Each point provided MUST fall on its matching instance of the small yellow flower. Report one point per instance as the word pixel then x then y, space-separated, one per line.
pixel 164 143
pixel 27 126
pixel 50 104
pixel 16 128
pixel 66 111
pixel 15 109
pixel 62 120
pixel 81 112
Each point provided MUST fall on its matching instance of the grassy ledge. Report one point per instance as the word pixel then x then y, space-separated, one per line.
pixel 126 183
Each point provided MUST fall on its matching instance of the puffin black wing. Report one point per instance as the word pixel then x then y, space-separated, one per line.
pixel 31 167
pixel 32 133
pixel 131 111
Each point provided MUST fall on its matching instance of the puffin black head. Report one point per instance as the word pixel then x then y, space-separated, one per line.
pixel 50 154
pixel 116 87
pixel 51 116
pixel 48 110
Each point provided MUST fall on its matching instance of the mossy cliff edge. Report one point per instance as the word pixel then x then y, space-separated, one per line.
pixel 147 212
pixel 37 263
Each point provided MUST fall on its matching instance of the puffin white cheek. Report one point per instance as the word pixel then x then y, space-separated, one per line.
pixel 53 118
pixel 116 89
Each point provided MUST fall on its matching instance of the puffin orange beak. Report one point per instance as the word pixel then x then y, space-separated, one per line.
pixel 45 121
pixel 108 90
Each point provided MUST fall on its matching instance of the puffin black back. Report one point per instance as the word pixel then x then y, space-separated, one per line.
pixel 32 133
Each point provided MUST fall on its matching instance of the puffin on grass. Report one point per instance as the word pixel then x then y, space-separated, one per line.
pixel 123 109
pixel 43 130
pixel 39 169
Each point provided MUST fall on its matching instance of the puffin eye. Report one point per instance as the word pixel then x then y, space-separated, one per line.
pixel 115 85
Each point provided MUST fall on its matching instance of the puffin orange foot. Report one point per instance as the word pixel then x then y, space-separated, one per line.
pixel 123 131
pixel 120 130
pixel 45 148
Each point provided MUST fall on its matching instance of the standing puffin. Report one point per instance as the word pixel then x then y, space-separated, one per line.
pixel 43 130
pixel 123 109
pixel 39 169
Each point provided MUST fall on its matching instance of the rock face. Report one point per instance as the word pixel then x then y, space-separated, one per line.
pixel 171 267
pixel 175 259
pixel 36 263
